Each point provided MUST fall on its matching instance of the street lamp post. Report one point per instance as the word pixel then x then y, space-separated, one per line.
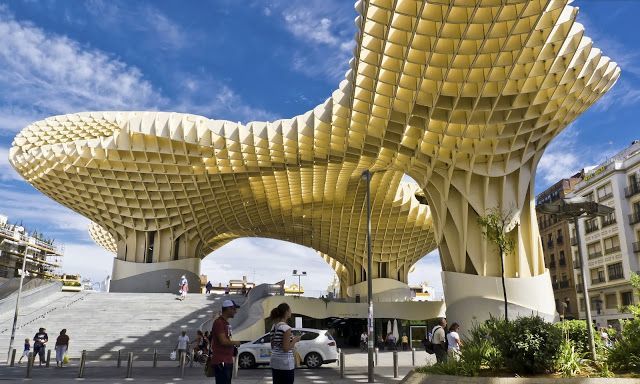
pixel 17 310
pixel 302 273
pixel 574 208
pixel 370 337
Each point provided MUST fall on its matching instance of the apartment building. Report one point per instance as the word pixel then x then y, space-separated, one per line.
pixel 611 244
pixel 556 245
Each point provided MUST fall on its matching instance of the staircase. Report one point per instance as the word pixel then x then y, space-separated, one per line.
pixel 104 323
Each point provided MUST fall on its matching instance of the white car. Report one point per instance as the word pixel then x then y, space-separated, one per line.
pixel 316 347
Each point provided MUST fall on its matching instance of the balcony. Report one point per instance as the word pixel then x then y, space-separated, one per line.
pixel 611 250
pixel 564 284
pixel 562 262
pixel 636 247
pixel 590 227
pixel 579 288
pixel 560 240
pixel 598 280
pixel 595 255
pixel 576 264
pixel 632 189
pixel 574 241
pixel 634 218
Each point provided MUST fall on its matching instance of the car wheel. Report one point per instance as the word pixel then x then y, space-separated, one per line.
pixel 313 360
pixel 246 360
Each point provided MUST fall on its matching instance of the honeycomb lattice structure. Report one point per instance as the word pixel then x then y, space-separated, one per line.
pixel 462 95
pixel 103 238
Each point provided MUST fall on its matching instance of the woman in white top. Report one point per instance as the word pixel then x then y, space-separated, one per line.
pixel 282 345
pixel 453 339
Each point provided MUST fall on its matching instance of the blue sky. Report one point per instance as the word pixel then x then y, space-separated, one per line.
pixel 241 61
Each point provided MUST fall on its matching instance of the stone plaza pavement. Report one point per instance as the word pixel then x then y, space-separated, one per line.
pixel 167 372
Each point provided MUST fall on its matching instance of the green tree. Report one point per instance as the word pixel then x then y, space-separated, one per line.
pixel 495 226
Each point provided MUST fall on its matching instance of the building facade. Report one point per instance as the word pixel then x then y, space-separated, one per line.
pixel 556 242
pixel 611 244
pixel 43 255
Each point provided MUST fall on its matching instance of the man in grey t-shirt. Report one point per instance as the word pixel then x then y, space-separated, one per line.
pixel 439 340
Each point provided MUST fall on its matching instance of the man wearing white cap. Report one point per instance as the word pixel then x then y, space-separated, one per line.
pixel 222 347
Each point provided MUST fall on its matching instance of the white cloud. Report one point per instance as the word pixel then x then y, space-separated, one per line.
pixel 168 30
pixel 88 260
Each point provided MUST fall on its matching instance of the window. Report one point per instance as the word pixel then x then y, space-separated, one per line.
pixel 559 237
pixel 562 260
pixel 597 276
pixel 605 192
pixel 609 219
pixel 611 244
pixel 627 298
pixel 615 271
pixel 594 250
pixel 264 339
pixel 611 300
pixel 308 336
pixel 591 225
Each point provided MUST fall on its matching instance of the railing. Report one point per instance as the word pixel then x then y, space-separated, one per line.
pixel 588 228
pixel 576 264
pixel 608 221
pixel 560 240
pixel 605 197
pixel 617 276
pixel 634 218
pixel 595 255
pixel 574 241
pixel 562 262
pixel 564 284
pixel 612 250
pixel 598 280
pixel 636 247
pixel 579 288
pixel 632 189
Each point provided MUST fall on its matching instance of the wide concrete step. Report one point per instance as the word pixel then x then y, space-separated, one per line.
pixel 103 323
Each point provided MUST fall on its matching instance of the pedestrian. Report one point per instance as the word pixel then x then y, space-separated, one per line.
pixel 182 345
pixel 454 342
pixel 184 287
pixel 223 348
pixel 391 342
pixel 282 345
pixel 363 340
pixel 226 290
pixel 25 352
pixel 439 339
pixel 604 335
pixel 209 286
pixel 244 290
pixel 405 342
pixel 39 341
pixel 62 345
pixel 380 343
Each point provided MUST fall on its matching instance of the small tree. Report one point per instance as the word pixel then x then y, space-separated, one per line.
pixel 495 224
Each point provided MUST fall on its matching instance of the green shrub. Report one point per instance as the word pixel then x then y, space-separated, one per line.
pixel 576 331
pixel 570 362
pixel 528 345
pixel 449 367
pixel 625 354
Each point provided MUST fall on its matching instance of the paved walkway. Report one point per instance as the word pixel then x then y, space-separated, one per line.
pixel 167 372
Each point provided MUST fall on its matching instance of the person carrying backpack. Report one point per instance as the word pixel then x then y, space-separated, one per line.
pixel 439 340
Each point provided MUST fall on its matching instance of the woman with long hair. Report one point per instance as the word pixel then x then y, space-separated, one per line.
pixel 282 344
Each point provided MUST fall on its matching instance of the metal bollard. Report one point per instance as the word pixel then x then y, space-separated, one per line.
pixel 341 365
pixel 395 364
pixel 376 355
pixel 83 358
pixel 13 357
pixel 130 365
pixel 339 352
pixel 413 357
pixel 183 363
pixel 155 358
pixel 48 358
pixel 29 364
pixel 119 363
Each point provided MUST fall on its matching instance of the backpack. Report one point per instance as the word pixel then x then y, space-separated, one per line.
pixel 428 342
